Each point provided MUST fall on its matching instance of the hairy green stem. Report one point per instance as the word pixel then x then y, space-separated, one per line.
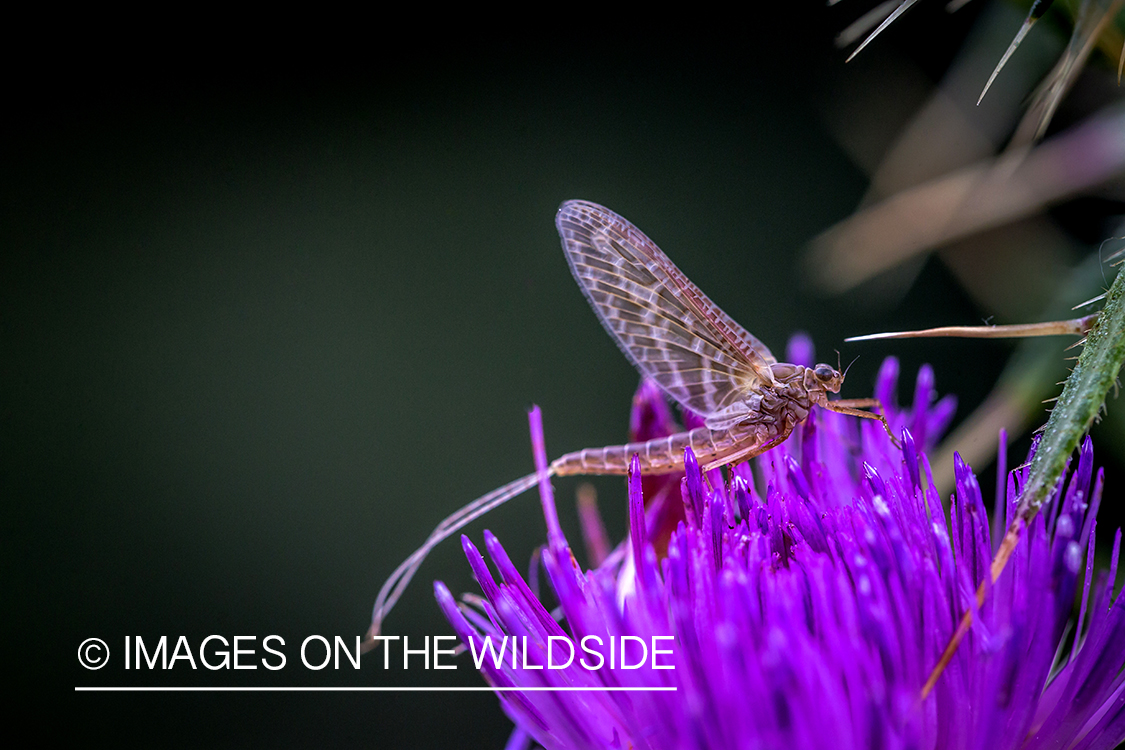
pixel 1082 398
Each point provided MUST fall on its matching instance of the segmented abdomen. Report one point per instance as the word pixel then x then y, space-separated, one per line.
pixel 661 455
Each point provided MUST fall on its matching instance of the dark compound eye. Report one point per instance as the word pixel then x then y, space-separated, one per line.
pixel 824 372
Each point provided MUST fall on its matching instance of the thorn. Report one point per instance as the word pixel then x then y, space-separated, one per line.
pixel 863 24
pixel 1076 343
pixel 902 8
pixel 1088 21
pixel 1090 301
pixel 1120 64
pixel 1027 24
pixel 1049 400
pixel 1073 327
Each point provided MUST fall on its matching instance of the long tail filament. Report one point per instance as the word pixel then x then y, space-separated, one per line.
pixel 398 581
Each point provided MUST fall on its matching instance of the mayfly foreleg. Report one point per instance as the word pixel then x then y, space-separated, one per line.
pixel 854 408
pixel 856 403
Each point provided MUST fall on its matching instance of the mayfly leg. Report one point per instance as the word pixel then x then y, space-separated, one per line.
pixel 855 403
pixel 751 450
pixel 397 582
pixel 854 408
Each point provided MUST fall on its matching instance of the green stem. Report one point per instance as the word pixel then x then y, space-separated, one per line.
pixel 1082 398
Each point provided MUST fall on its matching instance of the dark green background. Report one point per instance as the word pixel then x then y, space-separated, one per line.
pixel 267 318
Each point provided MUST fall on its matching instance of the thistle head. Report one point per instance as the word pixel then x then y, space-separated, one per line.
pixel 809 597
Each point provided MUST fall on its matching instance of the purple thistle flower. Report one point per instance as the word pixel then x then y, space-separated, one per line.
pixel 808 606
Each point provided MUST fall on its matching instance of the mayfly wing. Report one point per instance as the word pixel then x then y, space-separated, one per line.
pixel 663 323
pixel 667 328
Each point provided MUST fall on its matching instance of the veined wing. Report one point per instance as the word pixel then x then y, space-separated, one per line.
pixel 666 326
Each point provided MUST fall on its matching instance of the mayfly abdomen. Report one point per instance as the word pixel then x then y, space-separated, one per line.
pixel 658 456
pixel 676 336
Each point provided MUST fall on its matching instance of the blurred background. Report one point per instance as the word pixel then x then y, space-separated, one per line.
pixel 269 315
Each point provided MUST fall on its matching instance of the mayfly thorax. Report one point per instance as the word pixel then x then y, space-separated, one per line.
pixel 677 337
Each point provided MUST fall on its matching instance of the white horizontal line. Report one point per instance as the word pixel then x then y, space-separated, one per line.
pixel 373 689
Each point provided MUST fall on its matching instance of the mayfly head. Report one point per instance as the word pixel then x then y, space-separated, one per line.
pixel 823 378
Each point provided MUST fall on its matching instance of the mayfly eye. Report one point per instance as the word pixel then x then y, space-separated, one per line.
pixel 823 372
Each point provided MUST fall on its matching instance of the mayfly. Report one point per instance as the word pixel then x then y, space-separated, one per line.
pixel 676 336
